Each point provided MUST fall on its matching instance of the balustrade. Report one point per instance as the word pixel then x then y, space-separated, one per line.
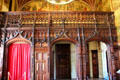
pixel 70 19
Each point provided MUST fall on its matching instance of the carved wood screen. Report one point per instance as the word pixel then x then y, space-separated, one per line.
pixel 45 28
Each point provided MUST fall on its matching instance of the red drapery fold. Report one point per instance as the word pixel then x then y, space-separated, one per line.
pixel 19 62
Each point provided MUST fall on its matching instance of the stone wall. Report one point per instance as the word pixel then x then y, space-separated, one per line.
pixel 1 60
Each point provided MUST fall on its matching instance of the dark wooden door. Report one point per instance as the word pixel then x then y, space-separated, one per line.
pixel 95 63
pixel 63 66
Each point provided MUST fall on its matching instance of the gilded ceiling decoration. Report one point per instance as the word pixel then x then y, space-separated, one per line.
pixel 45 6
pixel 115 4
pixel 0 4
pixel 5 4
pixel 6 1
pixel 22 2
pixel 76 5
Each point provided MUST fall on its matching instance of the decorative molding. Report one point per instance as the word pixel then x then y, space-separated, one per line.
pixel 17 40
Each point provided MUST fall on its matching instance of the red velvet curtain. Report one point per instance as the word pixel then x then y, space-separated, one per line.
pixel 19 62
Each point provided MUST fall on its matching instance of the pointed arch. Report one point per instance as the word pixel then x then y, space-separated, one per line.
pixel 20 41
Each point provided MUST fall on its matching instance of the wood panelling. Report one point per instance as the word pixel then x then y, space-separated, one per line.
pixel 43 29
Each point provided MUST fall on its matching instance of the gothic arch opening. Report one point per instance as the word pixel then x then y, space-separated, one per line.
pixel 99 60
pixel 63 61
pixel 17 59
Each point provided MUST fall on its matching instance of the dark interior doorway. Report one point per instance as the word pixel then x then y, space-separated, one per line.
pixel 63 61
pixel 95 63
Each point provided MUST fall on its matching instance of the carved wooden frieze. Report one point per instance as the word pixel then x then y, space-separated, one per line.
pixel 11 34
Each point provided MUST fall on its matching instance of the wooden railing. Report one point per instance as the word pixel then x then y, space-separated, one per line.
pixel 58 18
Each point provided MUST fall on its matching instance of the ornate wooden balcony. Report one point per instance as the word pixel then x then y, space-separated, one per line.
pixel 56 19
pixel 59 24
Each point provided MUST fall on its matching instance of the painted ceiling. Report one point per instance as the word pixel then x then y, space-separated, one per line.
pixel 75 5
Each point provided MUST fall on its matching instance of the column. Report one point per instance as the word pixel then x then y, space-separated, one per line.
pixel 79 62
pixel 84 62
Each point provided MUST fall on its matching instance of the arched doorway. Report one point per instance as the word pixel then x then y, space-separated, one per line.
pixel 17 60
pixel 98 58
pixel 63 61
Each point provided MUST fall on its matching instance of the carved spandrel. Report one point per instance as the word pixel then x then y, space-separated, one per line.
pixel 2 19
pixel 90 33
pixel 101 33
pixel 57 33
pixel 10 34
pixel 27 35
